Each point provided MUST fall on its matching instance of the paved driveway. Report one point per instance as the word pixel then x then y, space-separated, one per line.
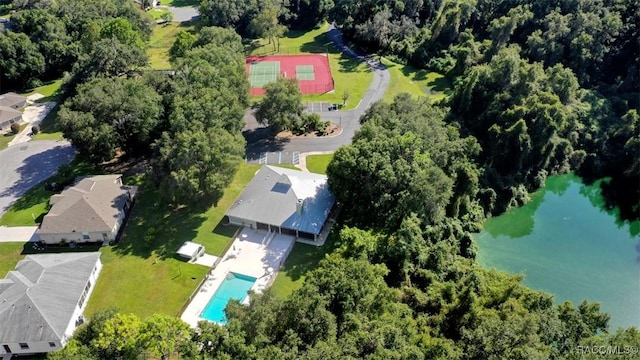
pixel 259 140
pixel 24 165
pixel 185 13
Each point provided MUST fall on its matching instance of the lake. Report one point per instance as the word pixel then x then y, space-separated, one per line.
pixel 566 243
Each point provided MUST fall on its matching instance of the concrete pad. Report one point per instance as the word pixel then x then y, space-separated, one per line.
pixel 206 260
pixel 35 97
pixel 256 253
pixel 18 234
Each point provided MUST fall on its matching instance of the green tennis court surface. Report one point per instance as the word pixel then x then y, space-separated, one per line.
pixel 305 72
pixel 263 72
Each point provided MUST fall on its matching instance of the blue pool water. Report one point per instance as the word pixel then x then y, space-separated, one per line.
pixel 234 286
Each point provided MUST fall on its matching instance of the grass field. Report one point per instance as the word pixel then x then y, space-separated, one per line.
pixel 161 41
pixel 6 137
pixel 140 274
pixel 302 259
pixel 180 3
pixel 348 74
pixel 417 82
pixel 157 13
pixel 33 205
pixel 318 163
pixel 48 90
pixel 10 254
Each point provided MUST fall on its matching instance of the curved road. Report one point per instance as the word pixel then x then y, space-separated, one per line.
pixel 259 139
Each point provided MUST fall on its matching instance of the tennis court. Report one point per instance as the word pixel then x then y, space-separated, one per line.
pixel 264 72
pixel 305 72
pixel 312 71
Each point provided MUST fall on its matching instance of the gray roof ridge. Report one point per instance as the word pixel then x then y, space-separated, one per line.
pixel 42 314
pixel 97 214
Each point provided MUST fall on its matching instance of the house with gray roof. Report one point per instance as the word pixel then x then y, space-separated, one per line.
pixel 43 299
pixel 13 100
pixel 92 210
pixel 285 201
pixel 10 104
pixel 9 116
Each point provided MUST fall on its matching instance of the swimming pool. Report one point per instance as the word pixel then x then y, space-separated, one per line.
pixel 234 286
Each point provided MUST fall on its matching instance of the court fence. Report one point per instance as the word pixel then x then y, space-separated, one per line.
pixel 307 49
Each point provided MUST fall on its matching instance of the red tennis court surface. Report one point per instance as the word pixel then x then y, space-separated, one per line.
pixel 322 82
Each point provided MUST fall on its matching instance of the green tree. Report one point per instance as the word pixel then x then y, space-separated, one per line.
pixel 20 60
pixel 281 106
pixel 109 58
pixel 119 338
pixel 193 166
pixel 220 37
pixel 183 43
pixel 107 114
pixel 167 17
pixel 121 30
pixel 165 336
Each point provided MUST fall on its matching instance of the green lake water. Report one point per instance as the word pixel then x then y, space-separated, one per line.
pixel 566 243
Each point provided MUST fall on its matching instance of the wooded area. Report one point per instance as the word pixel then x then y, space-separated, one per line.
pixel 540 88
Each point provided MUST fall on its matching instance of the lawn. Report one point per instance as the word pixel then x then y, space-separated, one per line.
pixel 34 204
pixel 161 41
pixel 10 254
pixel 318 163
pixel 156 13
pixel 302 259
pixel 417 82
pixel 287 166
pixel 48 90
pixel 141 274
pixel 6 138
pixel 179 3
pixel 348 74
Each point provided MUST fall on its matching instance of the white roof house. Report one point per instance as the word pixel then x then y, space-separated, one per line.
pixel 42 301
pixel 284 200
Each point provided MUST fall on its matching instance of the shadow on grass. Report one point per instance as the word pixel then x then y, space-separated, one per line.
pixel 155 227
pixel 31 248
pixel 49 123
pixel 182 3
pixel 441 84
pixel 305 258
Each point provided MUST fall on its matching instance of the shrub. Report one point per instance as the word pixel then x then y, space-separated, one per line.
pixel 35 129
pixel 15 128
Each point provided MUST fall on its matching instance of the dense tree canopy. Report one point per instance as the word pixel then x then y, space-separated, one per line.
pixel 110 114
pixel 64 32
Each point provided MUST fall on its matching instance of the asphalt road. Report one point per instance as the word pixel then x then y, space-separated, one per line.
pixel 185 13
pixel 24 165
pixel 259 140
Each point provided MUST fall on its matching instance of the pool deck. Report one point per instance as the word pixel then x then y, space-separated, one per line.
pixel 255 253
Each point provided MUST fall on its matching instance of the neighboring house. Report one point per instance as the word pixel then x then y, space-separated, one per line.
pixel 10 103
pixel 286 201
pixel 148 3
pixel 9 116
pixel 13 100
pixel 92 210
pixel 43 299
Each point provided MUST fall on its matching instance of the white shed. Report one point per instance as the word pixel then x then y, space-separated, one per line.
pixel 190 250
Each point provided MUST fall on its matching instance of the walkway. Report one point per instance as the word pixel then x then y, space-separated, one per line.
pixel 259 139
pixel 33 115
pixel 254 253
